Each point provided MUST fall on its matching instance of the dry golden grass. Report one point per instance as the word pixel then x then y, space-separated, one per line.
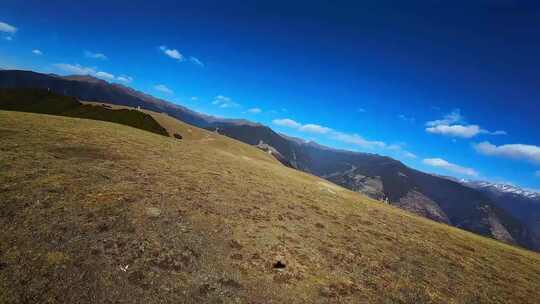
pixel 76 227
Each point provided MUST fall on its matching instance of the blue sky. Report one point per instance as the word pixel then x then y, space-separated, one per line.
pixel 450 89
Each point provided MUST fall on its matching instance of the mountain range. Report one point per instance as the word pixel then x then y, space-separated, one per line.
pixel 488 210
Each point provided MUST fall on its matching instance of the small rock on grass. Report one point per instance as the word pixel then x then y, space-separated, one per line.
pixel 153 212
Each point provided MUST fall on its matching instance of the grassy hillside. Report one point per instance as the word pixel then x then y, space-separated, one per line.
pixel 45 102
pixel 95 212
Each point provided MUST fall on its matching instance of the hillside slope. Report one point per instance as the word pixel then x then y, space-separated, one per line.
pixel 380 177
pixel 95 212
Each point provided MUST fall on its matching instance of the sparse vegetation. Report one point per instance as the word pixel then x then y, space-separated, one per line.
pixel 75 196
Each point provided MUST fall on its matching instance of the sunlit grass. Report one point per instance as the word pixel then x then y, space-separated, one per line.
pixel 75 197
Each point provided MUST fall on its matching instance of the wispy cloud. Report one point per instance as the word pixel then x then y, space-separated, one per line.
pixel 537 173
pixel 8 38
pixel 93 55
pixel 528 153
pixel 173 53
pixel 454 125
pixel 105 75
pixel 406 118
pixel 450 118
pixel 361 110
pixel 124 78
pixel 408 154
pixel 353 139
pixel 313 128
pixel 448 166
pixel 196 61
pixel 37 52
pixel 286 122
pixel 357 140
pixel 7 28
pixel 224 102
pixel 77 69
pixel 163 89
pixel 254 111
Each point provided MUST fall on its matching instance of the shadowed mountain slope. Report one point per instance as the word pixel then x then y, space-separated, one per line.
pixel 522 204
pixel 46 102
pixel 382 177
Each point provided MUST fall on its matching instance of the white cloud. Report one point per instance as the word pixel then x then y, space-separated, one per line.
pixel 76 69
pixel 194 98
pixel 224 102
pixel 529 153
pixel 93 55
pixel 7 28
pixel 254 111
pixel 105 75
pixel 286 122
pixel 443 164
pixel 37 52
pixel 455 130
pixel 173 53
pixel 313 128
pixel 196 61
pixel 163 88
pixel 453 124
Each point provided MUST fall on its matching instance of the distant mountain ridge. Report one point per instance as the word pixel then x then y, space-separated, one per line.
pixel 522 204
pixel 378 176
pixel 504 188
pixel 89 88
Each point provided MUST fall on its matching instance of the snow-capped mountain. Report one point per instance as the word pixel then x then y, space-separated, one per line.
pixel 502 188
